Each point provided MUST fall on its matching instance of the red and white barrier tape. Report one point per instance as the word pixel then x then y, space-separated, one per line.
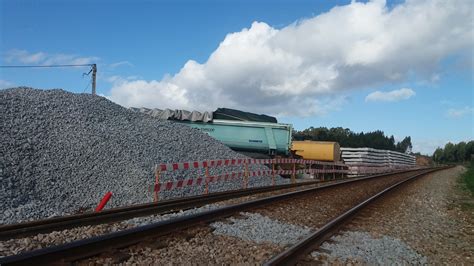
pixel 231 162
pixel 170 185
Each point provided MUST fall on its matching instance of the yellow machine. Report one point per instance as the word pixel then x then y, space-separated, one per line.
pixel 317 150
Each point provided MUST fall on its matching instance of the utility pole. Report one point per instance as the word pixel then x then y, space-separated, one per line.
pixel 94 73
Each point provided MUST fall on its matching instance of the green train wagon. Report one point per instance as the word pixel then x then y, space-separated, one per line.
pixel 258 137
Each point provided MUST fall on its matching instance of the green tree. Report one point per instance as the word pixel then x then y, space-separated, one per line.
pixel 405 145
pixel 461 151
pixel 347 138
pixel 469 151
pixel 438 155
pixel 453 153
pixel 449 154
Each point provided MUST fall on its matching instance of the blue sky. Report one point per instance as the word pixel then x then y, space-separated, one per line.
pixel 308 62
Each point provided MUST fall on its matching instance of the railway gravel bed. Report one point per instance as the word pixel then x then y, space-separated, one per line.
pixel 194 246
pixel 314 210
pixel 16 246
pixel 422 222
pixel 353 247
pixel 257 242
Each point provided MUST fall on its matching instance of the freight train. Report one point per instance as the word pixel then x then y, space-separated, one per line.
pixel 257 136
pixel 262 137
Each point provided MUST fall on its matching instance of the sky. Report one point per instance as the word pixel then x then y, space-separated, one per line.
pixel 404 67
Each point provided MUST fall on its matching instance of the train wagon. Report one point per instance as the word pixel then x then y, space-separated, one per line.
pixel 257 137
pixel 253 134
pixel 317 150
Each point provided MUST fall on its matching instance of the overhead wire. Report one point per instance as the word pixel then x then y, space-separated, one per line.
pixel 88 83
pixel 32 66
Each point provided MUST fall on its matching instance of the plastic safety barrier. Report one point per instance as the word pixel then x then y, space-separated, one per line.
pixel 232 162
pixel 310 167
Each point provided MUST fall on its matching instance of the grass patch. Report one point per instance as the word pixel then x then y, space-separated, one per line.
pixel 468 178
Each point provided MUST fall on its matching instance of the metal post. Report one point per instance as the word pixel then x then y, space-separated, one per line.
pixel 309 172
pixel 317 172
pixel 324 172
pixel 94 74
pixel 157 182
pixel 207 182
pixel 334 172
pixel 293 176
pixel 246 175
pixel 273 174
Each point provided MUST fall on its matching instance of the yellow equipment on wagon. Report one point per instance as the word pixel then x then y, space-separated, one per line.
pixel 317 150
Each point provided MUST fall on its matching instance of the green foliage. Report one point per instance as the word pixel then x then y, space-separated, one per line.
pixel 468 178
pixel 347 138
pixel 455 153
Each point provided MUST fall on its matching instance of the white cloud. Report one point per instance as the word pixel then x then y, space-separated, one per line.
pixel 390 96
pixel 121 63
pixel 24 56
pixel 460 112
pixel 5 84
pixel 294 68
pixel 42 58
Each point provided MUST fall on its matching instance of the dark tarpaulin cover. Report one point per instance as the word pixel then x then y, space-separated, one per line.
pixel 231 114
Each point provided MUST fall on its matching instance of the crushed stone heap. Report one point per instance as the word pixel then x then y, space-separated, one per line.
pixel 61 152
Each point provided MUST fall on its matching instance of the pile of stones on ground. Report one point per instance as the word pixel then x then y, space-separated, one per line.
pixel 60 152
pixel 260 229
pixel 363 248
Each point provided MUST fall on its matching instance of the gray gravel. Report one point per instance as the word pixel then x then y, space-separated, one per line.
pixel 361 247
pixel 258 228
pixel 61 152
pixel 140 221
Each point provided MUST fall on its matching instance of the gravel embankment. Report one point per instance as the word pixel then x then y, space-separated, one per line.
pixel 61 152
pixel 423 222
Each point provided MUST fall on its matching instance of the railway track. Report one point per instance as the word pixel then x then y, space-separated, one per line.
pixel 293 254
pixel 89 247
pixel 123 213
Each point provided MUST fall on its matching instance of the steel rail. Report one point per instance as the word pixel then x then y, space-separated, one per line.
pixel 122 213
pixel 292 255
pixel 73 251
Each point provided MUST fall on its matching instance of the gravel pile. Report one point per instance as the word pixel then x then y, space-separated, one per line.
pixel 61 152
pixel 260 229
pixel 361 247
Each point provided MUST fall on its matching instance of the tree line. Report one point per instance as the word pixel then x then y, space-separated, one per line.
pixel 453 153
pixel 347 138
